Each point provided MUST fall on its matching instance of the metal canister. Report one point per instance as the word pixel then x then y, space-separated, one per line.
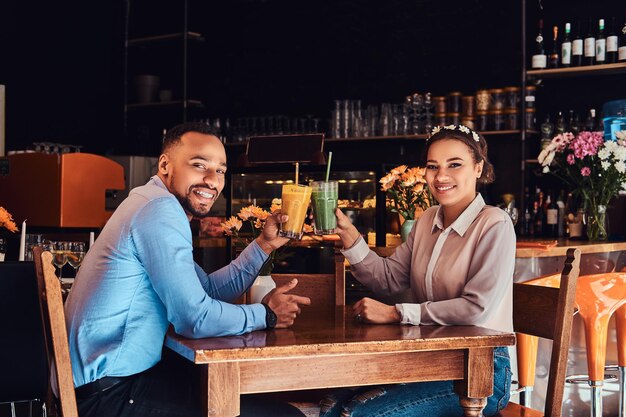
pixel 482 100
pixel 482 120
pixel 439 102
pixel 512 97
pixel 529 96
pixel 497 98
pixel 454 102
pixel 511 119
pixel 497 119
pixel 531 120
pixel 440 119
pixel 453 118
pixel 467 106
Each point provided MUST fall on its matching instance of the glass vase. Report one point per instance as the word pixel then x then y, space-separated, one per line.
pixel 260 287
pixel 596 223
pixel 405 229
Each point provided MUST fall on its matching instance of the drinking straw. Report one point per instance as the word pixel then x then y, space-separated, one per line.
pixel 330 158
pixel 297 168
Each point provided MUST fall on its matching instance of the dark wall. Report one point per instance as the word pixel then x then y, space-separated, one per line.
pixel 63 62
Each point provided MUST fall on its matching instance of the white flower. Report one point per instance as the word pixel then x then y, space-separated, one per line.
pixel 604 153
pixel 450 127
pixel 476 137
pixel 620 153
pixel 621 134
pixel 546 169
pixel 436 129
pixel 620 167
pixel 605 165
pixel 464 129
pixel 546 156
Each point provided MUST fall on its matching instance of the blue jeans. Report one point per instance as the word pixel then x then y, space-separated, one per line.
pixel 432 399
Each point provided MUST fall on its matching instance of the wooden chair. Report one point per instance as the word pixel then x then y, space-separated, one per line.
pixel 55 332
pixel 24 370
pixel 548 312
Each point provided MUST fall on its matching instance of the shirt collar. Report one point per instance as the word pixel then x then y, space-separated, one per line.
pixel 158 182
pixel 463 222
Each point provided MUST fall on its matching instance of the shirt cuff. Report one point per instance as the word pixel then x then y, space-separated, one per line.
pixel 357 252
pixel 410 313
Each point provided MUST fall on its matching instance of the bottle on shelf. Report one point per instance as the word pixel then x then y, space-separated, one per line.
pixel 612 43
pixel 559 126
pixel 547 132
pixel 621 48
pixel 589 46
pixel 601 44
pixel 552 217
pixel 591 123
pixel 537 219
pixel 553 61
pixel 560 203
pixel 577 47
pixel 539 59
pixel 566 47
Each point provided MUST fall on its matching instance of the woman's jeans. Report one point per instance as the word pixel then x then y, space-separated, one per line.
pixel 431 399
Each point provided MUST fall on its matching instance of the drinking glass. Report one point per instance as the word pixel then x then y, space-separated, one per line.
pixel 59 255
pixel 324 200
pixel 76 254
pixel 295 199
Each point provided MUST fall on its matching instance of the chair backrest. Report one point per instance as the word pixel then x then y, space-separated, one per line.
pixel 548 312
pixel 23 360
pixel 55 330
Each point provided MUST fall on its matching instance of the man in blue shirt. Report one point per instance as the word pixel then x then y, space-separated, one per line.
pixel 139 277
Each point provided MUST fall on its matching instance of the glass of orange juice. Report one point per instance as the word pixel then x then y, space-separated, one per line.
pixel 295 201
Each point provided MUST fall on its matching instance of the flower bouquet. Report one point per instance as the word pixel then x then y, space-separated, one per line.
pixel 593 168
pixel 6 220
pixel 407 191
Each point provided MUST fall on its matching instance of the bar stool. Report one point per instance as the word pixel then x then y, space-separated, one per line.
pixel 620 325
pixel 598 296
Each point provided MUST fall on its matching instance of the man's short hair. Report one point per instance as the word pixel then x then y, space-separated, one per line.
pixel 172 136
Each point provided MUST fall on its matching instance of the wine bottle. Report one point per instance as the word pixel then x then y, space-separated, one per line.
pixel 612 42
pixel 566 48
pixel 552 217
pixel 553 61
pixel 590 123
pixel 559 125
pixel 539 59
pixel 560 203
pixel 601 44
pixel 577 48
pixel 621 49
pixel 590 46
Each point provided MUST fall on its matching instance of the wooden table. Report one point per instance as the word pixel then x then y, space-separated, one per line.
pixel 333 350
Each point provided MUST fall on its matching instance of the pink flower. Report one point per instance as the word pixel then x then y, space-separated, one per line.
pixel 585 171
pixel 570 159
pixel 586 143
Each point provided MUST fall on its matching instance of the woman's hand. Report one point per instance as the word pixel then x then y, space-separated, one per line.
pixel 346 230
pixel 269 239
pixel 372 311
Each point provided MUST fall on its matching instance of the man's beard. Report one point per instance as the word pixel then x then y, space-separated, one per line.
pixel 185 201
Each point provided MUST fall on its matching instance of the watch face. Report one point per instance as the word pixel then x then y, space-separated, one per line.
pixel 270 319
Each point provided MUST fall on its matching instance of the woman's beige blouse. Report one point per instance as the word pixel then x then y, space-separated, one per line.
pixel 461 275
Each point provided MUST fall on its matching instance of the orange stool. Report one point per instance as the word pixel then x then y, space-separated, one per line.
pixel 620 324
pixel 598 296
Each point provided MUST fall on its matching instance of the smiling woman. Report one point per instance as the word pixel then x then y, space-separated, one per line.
pixel 457 264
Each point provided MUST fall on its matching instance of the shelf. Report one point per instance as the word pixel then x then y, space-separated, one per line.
pixel 406 137
pixel 592 70
pixel 161 104
pixel 162 38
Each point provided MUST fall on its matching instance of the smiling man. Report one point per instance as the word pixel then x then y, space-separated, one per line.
pixel 139 277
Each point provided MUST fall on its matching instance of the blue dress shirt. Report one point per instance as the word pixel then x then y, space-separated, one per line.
pixel 139 277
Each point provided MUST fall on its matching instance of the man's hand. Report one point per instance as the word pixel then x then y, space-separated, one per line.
pixel 346 230
pixel 372 311
pixel 285 306
pixel 269 240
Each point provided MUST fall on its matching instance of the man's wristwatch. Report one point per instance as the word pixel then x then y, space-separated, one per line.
pixel 270 317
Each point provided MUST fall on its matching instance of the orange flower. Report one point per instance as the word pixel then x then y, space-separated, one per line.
pixel 399 170
pixel 259 213
pixel 246 212
pixel 231 225
pixel 388 181
pixel 6 220
pixel 307 228
pixel 258 224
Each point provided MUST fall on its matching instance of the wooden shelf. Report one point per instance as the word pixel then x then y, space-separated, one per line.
pixel 162 38
pixel 405 137
pixel 159 104
pixel 592 70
